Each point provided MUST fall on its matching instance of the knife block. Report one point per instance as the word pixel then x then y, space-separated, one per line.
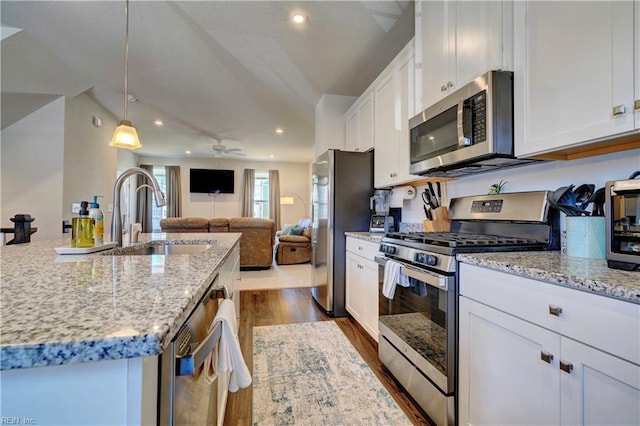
pixel 440 222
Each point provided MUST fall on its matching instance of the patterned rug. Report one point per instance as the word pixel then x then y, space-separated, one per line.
pixel 310 374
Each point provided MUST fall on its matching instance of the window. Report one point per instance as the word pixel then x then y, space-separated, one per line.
pixel 261 195
pixel 158 213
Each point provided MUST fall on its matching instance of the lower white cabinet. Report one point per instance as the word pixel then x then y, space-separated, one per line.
pixel 362 284
pixel 517 367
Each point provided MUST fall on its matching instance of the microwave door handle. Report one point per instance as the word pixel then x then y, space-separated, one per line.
pixel 464 123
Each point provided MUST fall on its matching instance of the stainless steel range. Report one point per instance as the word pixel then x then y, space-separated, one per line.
pixel 418 320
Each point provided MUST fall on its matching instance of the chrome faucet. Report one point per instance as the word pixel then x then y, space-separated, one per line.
pixel 116 219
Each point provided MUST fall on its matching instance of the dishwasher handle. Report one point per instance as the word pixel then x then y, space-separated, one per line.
pixel 189 364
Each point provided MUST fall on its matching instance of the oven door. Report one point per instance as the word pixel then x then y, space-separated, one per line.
pixel 420 322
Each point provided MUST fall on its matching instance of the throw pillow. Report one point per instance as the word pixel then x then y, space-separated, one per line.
pixel 296 230
pixel 286 229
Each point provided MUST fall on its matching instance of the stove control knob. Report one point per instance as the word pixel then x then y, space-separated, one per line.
pixel 430 260
pixel 387 249
pixel 425 259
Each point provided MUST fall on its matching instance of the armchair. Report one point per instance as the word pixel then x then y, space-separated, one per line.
pixel 291 248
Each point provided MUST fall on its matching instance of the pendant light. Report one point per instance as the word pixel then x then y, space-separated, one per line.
pixel 126 135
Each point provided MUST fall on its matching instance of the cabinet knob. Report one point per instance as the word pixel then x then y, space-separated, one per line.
pixel 555 310
pixel 546 357
pixel 390 175
pixel 443 88
pixel 636 105
pixel 619 110
pixel 449 84
pixel 566 366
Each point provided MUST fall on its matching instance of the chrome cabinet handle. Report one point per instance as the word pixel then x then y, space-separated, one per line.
pixel 555 310
pixel 546 357
pixel 566 366
pixel 619 110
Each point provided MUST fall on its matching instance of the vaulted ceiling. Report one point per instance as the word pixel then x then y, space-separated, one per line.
pixel 228 70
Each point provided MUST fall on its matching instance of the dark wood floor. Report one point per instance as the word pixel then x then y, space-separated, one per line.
pixel 290 306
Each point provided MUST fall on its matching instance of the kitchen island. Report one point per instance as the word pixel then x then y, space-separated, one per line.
pixel 97 324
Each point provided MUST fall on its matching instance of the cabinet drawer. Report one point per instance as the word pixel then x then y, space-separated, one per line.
pixel 366 249
pixel 607 324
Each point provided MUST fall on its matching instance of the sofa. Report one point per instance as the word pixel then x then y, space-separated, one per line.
pixel 256 243
pixel 294 243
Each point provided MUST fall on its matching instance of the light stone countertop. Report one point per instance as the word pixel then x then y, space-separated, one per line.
pixel 60 309
pixel 591 275
pixel 375 237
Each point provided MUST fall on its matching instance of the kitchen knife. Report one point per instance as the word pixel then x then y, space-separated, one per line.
pixel 435 202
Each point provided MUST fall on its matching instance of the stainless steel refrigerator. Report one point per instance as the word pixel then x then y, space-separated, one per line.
pixel 342 185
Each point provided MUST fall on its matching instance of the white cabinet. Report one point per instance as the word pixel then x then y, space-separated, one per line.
pixel 359 124
pixel 460 41
pixel 575 80
pixel 536 353
pixel 329 124
pixel 394 105
pixel 362 284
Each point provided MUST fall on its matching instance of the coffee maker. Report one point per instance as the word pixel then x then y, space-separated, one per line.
pixel 381 220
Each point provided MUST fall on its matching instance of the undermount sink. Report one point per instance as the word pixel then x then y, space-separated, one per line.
pixel 161 249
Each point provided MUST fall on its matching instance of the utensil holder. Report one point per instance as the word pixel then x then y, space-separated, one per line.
pixel 586 237
pixel 440 222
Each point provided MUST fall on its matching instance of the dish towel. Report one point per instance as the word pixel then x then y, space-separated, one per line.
pixel 393 275
pixel 227 357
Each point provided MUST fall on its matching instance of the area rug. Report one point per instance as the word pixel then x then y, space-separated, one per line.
pixel 310 374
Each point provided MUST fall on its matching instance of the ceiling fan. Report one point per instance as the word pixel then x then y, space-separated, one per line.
pixel 220 150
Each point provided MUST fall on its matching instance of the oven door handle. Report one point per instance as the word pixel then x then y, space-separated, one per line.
pixel 438 281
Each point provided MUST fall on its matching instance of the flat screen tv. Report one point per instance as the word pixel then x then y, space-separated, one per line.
pixel 211 181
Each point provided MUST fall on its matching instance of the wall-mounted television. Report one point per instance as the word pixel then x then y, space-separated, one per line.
pixel 211 181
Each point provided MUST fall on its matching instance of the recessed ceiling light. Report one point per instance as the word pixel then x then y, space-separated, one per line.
pixel 271 156
pixel 158 123
pixel 187 152
pixel 298 18
pixel 279 131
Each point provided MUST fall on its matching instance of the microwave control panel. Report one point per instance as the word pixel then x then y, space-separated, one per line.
pixel 479 111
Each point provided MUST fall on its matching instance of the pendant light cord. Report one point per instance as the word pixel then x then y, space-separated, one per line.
pixel 126 57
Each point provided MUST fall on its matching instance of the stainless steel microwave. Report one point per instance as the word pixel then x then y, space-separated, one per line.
pixel 469 131
pixel 622 215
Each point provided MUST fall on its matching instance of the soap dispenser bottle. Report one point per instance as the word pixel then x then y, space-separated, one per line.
pixel 98 217
pixel 82 228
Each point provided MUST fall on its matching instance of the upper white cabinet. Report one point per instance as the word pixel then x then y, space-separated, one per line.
pixel 330 125
pixel 577 73
pixel 359 124
pixel 459 41
pixel 394 105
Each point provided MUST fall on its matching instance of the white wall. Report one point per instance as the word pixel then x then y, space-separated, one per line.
pixel 295 178
pixel 545 176
pixel 54 157
pixel 90 164
pixel 32 164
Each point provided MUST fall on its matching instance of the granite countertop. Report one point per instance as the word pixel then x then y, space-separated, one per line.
pixel 375 237
pixel 591 275
pixel 60 309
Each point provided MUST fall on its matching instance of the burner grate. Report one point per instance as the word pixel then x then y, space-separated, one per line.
pixel 453 239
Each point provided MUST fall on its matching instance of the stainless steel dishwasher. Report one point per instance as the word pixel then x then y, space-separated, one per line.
pixel 185 397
